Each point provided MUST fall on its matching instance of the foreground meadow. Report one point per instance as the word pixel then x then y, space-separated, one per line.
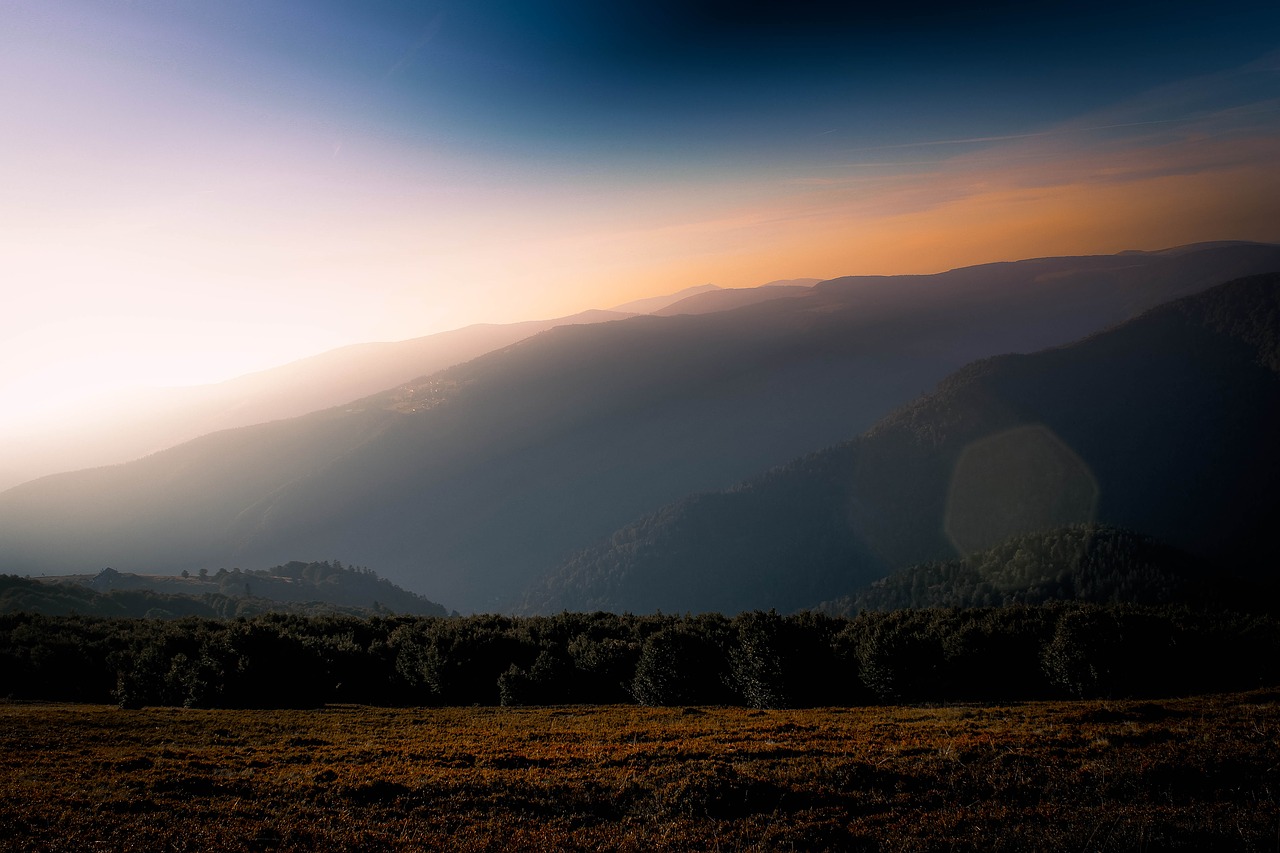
pixel 1184 774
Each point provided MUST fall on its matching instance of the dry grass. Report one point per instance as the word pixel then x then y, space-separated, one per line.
pixel 1187 774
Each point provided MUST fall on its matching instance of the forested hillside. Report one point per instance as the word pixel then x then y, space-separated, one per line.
pixel 1165 425
pixel 1087 563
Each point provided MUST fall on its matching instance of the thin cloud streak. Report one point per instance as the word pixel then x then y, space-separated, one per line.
pixel 428 35
pixel 1013 136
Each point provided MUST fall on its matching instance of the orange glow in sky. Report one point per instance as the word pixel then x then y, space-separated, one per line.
pixel 158 228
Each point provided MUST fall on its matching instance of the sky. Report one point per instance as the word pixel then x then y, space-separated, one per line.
pixel 194 189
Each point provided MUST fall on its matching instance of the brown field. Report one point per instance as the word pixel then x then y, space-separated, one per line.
pixel 1185 774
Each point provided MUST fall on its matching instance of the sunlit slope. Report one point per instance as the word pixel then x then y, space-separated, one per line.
pixel 468 484
pixel 725 299
pixel 1165 425
pixel 124 427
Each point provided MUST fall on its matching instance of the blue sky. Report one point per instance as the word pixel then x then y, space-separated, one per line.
pixel 195 189
pixel 618 84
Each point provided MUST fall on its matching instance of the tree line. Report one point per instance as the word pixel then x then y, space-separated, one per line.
pixel 757 659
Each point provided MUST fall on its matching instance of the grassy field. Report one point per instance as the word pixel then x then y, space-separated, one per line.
pixel 1185 774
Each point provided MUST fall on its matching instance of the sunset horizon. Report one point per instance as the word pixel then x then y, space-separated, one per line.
pixel 198 192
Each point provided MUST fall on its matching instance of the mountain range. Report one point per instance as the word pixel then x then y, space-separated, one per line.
pixel 127 425
pixel 1165 425
pixel 470 483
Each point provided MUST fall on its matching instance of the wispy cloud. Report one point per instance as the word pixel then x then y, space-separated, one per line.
pixel 428 34
pixel 975 140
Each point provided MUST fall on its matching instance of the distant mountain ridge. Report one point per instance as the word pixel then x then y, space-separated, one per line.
pixel 706 298
pixel 726 299
pixel 1165 425
pixel 469 483
pixel 128 426
pixel 650 304
pixel 296 587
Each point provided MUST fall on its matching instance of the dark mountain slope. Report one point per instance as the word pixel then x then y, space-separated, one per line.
pixel 1166 425
pixel 467 484
pixel 1085 562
